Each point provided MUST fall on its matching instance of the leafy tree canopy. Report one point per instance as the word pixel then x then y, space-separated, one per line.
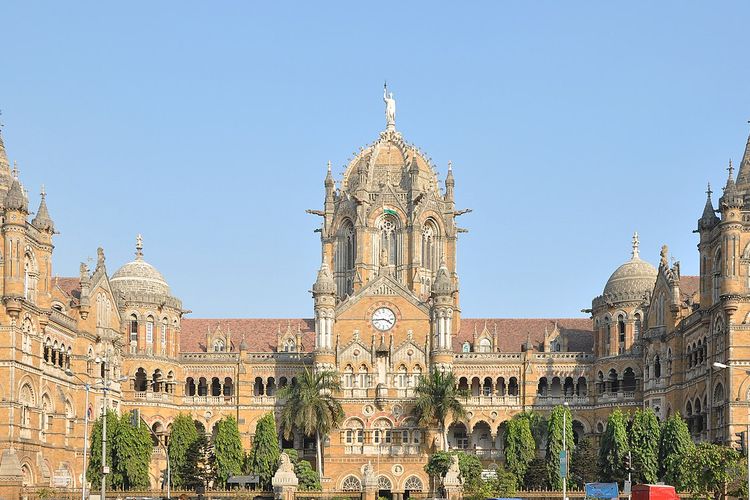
pixel 707 469
pixel 555 433
pixel 613 448
pixel 184 434
pixel 674 444
pixel 520 447
pixel 227 450
pixel 264 454
pixel 644 445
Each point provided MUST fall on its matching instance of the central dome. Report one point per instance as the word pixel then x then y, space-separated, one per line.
pixel 632 280
pixel 139 276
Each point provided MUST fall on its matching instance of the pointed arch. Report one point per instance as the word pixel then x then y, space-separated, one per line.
pixel 345 258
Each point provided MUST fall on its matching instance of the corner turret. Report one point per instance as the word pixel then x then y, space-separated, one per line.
pixel 43 221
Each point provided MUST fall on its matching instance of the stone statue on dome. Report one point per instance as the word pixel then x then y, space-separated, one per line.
pixel 390 109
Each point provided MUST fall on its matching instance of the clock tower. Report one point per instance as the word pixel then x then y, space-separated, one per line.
pixel 386 298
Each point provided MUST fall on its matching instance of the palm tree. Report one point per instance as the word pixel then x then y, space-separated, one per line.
pixel 311 407
pixel 437 400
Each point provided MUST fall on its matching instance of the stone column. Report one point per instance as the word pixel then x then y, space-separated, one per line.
pixel 284 482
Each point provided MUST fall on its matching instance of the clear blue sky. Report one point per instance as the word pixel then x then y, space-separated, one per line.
pixel 207 126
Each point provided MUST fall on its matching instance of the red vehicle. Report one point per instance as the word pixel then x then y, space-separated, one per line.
pixel 654 492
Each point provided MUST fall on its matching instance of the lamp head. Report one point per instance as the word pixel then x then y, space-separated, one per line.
pixel 69 372
pixel 98 360
pixel 719 366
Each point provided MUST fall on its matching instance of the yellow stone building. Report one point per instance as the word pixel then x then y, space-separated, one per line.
pixel 385 310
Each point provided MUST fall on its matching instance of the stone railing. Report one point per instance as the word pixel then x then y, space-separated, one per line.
pixel 154 396
pixel 207 400
pixel 209 357
pixel 563 356
pixel 391 450
pixel 495 356
pixel 62 319
pixel 492 400
pixel 558 400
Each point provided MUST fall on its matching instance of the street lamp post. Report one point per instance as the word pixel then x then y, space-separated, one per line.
pixel 87 387
pixel 721 366
pixel 105 407
pixel 565 451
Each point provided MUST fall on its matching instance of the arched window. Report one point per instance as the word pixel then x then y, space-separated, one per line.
pixel 637 326
pixel 401 377
pixel 607 333
pixel 430 246
pixel 657 367
pixel 218 345
pixel 621 328
pixel 149 331
pixel 30 276
pixel 417 375
pixel 290 345
pixel 387 242
pixel 348 376
pixel 164 323
pixel 133 329
pixel 362 379
pixel 466 347
pixel 485 345
pixel 716 277
pixel 345 258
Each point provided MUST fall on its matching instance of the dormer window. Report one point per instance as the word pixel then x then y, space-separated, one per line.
pixel 485 345
pixel 466 347
pixel 218 345
pixel 290 345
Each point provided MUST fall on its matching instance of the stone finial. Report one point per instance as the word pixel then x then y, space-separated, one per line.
pixel 99 257
pixel 139 247
pixel 663 254
pixel 636 243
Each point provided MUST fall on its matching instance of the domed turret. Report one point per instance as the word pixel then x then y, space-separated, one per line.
pixel 139 276
pixel 632 280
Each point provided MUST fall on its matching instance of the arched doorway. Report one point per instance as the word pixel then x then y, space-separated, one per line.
pixel 384 487
pixel 412 485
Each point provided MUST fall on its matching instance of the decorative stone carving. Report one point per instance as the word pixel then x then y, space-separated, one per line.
pixel 285 481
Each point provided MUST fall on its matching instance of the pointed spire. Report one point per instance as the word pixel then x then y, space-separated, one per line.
pixel 636 243
pixel 16 199
pixel 139 247
pixel 443 285
pixel 731 198
pixel 708 219
pixel 43 221
pixel 324 284
pixel 329 177
pixel 743 176
pixel 4 163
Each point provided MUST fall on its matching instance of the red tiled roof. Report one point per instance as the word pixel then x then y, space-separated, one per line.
pixel 261 334
pixel 689 286
pixel 513 332
pixel 69 286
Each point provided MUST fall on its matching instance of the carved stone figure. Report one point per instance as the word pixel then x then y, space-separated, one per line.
pixel 390 109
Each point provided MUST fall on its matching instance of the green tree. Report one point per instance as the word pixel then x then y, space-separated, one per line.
pixel 644 445
pixel 709 468
pixel 555 443
pixel 614 447
pixel 183 435
pixel 502 485
pixel 227 450
pixel 311 407
pixel 133 447
pixel 94 468
pixel 583 468
pixel 199 467
pixel 520 447
pixel 674 444
pixel 438 399
pixel 538 426
pixel 263 458
pixel 535 477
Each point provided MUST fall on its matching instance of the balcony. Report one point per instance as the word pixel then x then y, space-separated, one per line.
pixel 386 450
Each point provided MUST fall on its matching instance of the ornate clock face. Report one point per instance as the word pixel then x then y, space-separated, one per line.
pixel 383 319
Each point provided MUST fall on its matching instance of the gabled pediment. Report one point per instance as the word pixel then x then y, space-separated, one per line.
pixel 382 286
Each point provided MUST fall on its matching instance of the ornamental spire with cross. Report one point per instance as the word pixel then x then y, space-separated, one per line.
pixel 139 247
pixel 636 243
